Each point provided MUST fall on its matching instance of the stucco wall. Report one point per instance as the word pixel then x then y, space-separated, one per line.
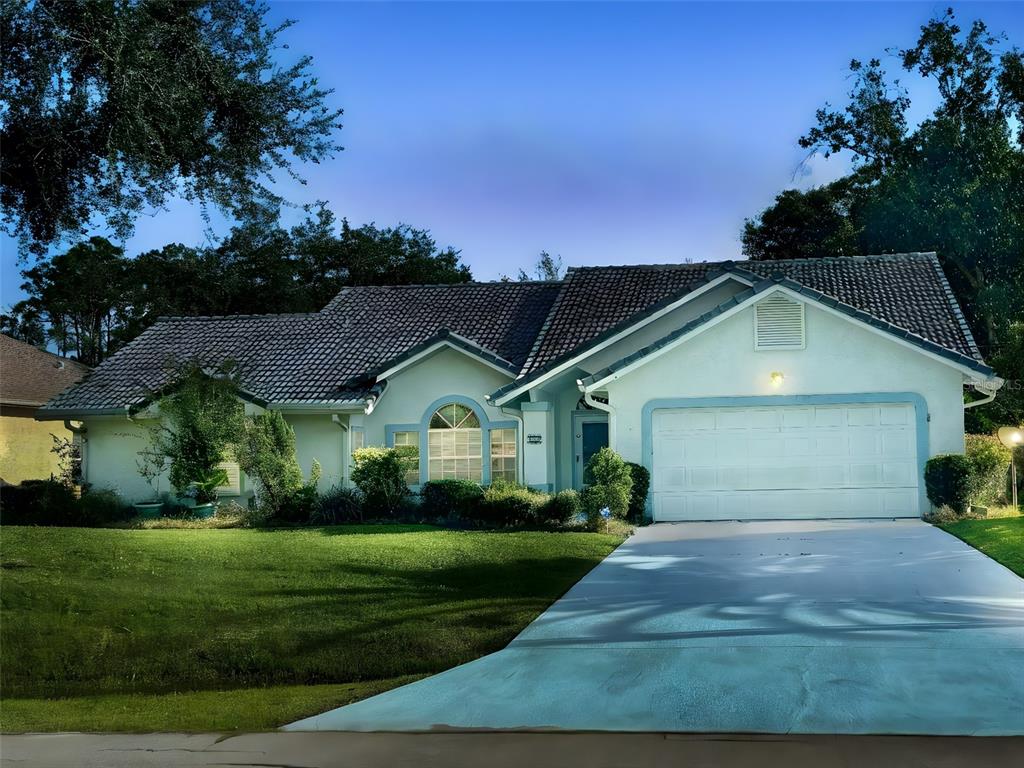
pixel 663 326
pixel 412 390
pixel 113 444
pixel 317 437
pixel 25 445
pixel 840 358
pixel 111 449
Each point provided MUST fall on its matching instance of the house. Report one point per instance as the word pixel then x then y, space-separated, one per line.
pixel 802 388
pixel 29 377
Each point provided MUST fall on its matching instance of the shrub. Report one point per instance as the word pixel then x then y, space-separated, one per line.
pixel 451 498
pixel 558 510
pixel 46 502
pixel 338 505
pixel 607 470
pixel 949 481
pixel 380 474
pixel 37 502
pixel 595 507
pixel 638 494
pixel 202 417
pixel 266 453
pixel 990 463
pixel 102 507
pixel 507 504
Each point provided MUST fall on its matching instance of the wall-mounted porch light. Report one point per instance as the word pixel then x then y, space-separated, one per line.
pixel 777 378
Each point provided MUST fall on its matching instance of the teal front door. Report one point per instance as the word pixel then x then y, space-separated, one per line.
pixel 590 434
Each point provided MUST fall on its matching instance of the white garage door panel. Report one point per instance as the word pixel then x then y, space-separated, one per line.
pixel 785 462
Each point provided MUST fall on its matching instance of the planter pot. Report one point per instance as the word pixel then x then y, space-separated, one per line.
pixel 204 510
pixel 149 510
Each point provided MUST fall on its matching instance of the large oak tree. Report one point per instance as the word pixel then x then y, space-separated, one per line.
pixel 110 107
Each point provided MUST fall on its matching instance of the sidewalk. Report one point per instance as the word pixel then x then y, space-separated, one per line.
pixel 500 750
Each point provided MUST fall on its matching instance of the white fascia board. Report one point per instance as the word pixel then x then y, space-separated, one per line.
pixel 419 356
pixel 969 374
pixel 573 361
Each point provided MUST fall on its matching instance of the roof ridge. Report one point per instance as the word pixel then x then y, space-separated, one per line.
pixel 244 316
pixel 470 284
pixel 955 306
pixel 901 256
pixel 546 325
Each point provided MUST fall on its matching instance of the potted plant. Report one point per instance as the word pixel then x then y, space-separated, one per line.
pixel 201 494
pixel 151 467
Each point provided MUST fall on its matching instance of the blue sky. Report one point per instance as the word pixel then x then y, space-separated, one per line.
pixel 607 133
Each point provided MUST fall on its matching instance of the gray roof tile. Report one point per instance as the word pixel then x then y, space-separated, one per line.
pixel 906 290
pixel 332 355
pixel 324 356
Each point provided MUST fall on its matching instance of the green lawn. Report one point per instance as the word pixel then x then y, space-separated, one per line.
pixel 1001 539
pixel 248 629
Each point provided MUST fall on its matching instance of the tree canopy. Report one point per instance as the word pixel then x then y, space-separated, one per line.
pixel 109 108
pixel 953 184
pixel 93 299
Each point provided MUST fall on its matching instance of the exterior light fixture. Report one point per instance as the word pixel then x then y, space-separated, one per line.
pixel 1012 437
pixel 777 378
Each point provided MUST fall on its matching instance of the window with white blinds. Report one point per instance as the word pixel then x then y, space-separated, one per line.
pixel 455 444
pixel 779 323
pixel 412 463
pixel 503 454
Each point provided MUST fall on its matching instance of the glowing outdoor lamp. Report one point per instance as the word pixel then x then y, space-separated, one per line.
pixel 1012 438
pixel 777 378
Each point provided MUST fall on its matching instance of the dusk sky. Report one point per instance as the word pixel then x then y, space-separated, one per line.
pixel 607 133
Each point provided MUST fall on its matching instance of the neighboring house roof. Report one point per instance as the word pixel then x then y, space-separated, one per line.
pixel 30 376
pixel 336 355
pixel 322 357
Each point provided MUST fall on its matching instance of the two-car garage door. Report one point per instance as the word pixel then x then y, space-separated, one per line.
pixel 855 460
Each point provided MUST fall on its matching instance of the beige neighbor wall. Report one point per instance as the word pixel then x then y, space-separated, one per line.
pixel 840 358
pixel 25 445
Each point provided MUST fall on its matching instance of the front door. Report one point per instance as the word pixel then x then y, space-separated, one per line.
pixel 590 434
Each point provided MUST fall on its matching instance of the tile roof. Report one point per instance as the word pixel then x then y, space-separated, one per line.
pixel 30 376
pixel 333 355
pixel 759 288
pixel 320 357
pixel 907 290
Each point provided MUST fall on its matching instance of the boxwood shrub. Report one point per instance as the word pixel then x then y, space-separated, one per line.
pixel 450 499
pixel 949 481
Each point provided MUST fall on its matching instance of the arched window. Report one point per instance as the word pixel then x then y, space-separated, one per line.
pixel 455 444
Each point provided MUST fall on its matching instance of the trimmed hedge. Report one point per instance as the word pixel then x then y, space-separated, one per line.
pixel 949 481
pixel 558 510
pixel 990 467
pixel 447 499
pixel 47 502
pixel 506 504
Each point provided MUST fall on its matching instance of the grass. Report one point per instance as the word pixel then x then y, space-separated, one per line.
pixel 144 630
pixel 1001 539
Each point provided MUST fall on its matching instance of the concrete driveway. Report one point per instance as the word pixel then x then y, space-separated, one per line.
pixel 767 627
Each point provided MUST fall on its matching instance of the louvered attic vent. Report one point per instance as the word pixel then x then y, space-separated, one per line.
pixel 779 323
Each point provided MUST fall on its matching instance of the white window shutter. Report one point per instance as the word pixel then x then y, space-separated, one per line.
pixel 779 323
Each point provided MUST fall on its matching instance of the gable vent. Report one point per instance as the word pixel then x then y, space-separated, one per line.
pixel 779 323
